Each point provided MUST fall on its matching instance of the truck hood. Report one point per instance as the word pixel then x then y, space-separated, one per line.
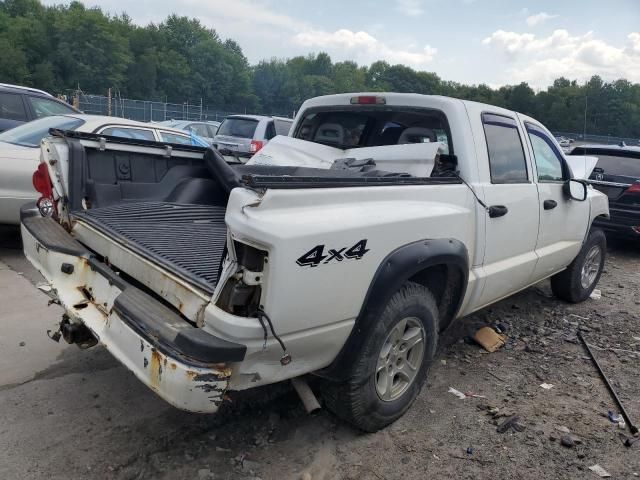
pixel 416 159
pixel 581 166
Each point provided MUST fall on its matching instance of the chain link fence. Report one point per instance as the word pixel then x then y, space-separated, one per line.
pixel 145 110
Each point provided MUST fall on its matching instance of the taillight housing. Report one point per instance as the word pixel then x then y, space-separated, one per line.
pixel 634 188
pixel 42 184
pixel 255 146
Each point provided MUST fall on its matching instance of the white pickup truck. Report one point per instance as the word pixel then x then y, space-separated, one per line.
pixel 341 251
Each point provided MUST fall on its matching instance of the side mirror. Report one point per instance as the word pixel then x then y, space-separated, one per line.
pixel 576 190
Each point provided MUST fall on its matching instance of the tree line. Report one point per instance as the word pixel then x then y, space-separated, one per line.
pixel 58 48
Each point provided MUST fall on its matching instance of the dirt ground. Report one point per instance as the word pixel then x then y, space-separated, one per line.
pixel 85 416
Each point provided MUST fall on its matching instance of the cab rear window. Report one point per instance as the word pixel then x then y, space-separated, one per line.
pixel 368 127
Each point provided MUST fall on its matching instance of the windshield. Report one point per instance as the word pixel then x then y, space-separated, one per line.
pixel 30 134
pixel 238 127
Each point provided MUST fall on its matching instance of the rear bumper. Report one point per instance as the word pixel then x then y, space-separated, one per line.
pixel 621 222
pixel 184 365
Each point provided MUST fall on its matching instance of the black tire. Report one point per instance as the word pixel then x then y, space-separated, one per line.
pixel 357 400
pixel 568 284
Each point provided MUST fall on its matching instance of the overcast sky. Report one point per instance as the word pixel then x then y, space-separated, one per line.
pixel 472 41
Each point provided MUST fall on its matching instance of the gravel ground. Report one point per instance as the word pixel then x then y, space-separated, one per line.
pixel 87 417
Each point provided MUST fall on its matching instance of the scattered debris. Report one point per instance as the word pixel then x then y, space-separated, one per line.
pixel 596 294
pixel 473 395
pixel 469 450
pixel 598 470
pixel 617 419
pixel 511 423
pixel 22 344
pixel 457 393
pixel 562 428
pixel 489 339
pixel 632 426
pixel 567 441
pixel 547 386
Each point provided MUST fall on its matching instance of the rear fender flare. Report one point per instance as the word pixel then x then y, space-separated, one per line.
pixel 397 268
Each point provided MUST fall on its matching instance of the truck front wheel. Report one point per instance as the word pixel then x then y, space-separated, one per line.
pixel 392 364
pixel 576 283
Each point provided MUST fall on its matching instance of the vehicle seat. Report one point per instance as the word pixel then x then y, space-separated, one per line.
pixel 330 133
pixel 416 135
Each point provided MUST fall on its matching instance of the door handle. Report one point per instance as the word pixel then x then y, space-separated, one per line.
pixel 497 211
pixel 549 204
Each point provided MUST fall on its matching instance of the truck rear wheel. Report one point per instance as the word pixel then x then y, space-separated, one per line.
pixel 392 364
pixel 576 283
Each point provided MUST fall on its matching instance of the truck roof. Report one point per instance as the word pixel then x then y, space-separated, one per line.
pixel 393 98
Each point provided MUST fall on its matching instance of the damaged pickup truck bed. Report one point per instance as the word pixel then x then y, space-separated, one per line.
pixel 341 251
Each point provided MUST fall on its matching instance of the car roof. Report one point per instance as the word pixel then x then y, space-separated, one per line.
pixel 250 117
pixel 93 122
pixel 20 89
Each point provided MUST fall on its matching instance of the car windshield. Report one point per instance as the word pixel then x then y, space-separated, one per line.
pixel 238 127
pixel 30 134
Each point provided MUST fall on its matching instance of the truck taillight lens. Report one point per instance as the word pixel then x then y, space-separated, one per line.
pixel 255 146
pixel 634 188
pixel 368 100
pixel 42 184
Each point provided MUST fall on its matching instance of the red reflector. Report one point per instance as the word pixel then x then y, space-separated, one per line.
pixel 634 188
pixel 255 146
pixel 41 181
pixel 368 100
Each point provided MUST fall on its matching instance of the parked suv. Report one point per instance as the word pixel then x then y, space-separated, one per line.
pixel 23 104
pixel 241 136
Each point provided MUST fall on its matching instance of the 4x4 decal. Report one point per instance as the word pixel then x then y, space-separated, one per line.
pixel 316 255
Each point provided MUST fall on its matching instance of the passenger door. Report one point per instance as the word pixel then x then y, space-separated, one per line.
pixel 512 223
pixel 563 221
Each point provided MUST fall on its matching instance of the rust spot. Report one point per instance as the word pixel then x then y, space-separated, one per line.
pixel 173 366
pixel 191 374
pixel 155 368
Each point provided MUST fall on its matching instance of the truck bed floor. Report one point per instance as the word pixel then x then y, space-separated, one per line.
pixel 186 240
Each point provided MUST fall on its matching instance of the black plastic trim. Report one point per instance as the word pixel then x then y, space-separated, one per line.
pixel 171 334
pixel 275 182
pixel 52 236
pixel 398 267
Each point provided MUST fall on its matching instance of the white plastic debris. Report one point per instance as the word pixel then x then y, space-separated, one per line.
pixel 44 287
pixel 457 393
pixel 596 294
pixel 547 386
pixel 598 470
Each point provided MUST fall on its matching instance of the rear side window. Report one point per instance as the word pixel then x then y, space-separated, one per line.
pixel 12 107
pixel 175 138
pixel 199 129
pixel 43 107
pixel 271 131
pixel 506 156
pixel 134 133
pixel 238 127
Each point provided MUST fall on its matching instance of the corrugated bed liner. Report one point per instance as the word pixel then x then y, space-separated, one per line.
pixel 187 240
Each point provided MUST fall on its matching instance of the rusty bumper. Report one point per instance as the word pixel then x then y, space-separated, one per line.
pixel 184 365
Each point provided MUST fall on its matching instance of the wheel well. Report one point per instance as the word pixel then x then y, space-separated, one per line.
pixel 446 283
